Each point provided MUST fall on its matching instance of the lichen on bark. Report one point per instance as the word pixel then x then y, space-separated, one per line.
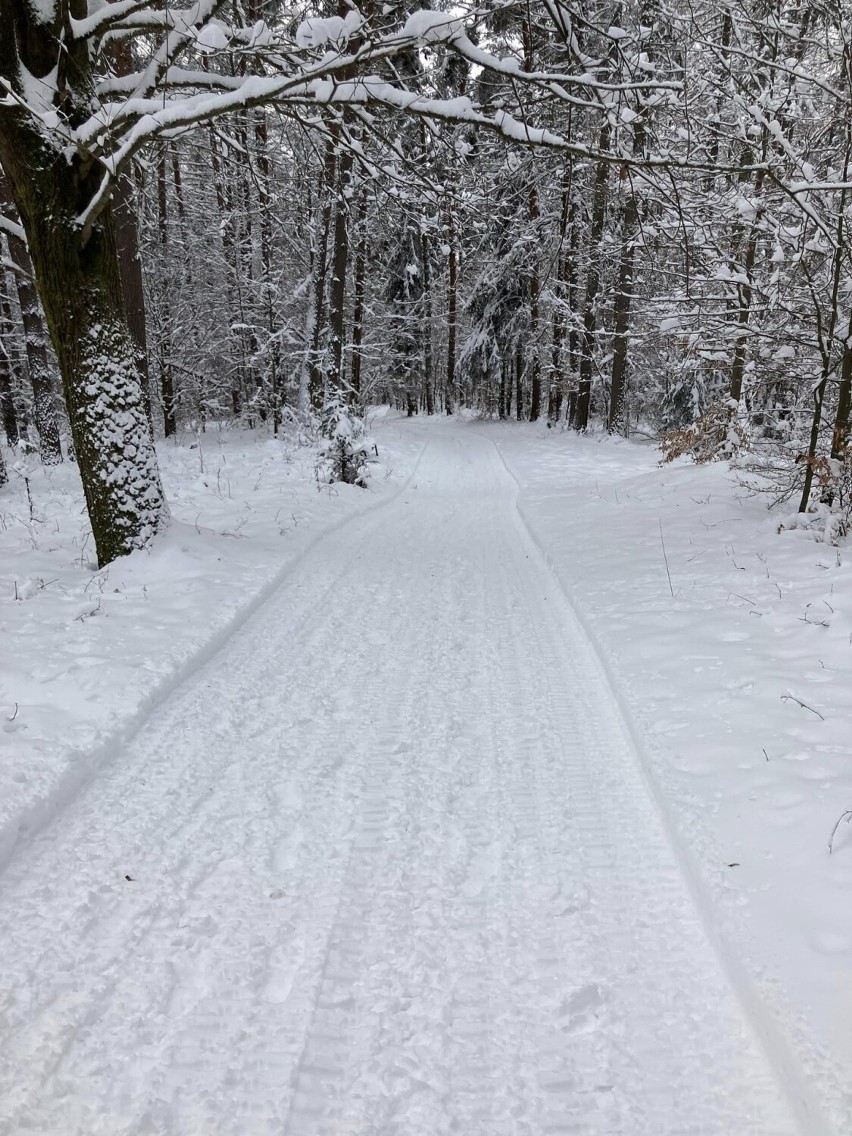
pixel 113 439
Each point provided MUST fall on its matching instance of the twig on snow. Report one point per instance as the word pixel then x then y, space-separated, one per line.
pixel 844 816
pixel 666 559
pixel 745 599
pixel 804 705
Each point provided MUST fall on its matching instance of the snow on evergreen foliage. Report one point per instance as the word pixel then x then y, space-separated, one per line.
pixel 346 449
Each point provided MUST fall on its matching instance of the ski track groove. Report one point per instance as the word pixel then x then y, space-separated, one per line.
pixel 84 766
pixel 808 1110
pixel 394 873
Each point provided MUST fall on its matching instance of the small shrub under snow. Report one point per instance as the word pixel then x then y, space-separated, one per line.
pixel 346 450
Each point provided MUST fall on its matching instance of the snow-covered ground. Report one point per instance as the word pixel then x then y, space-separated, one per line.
pixel 406 854
pixel 739 689
pixel 89 654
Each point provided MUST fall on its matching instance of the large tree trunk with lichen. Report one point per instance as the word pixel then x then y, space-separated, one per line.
pixel 80 289
pixel 73 250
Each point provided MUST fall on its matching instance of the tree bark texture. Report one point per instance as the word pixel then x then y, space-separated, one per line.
pixel 317 315
pixel 130 267
pixel 168 394
pixel 452 314
pixel 80 288
pixel 36 343
pixel 339 265
pixel 593 282
pixel 8 411
pixel 840 433
pixel 360 287
pixel 535 291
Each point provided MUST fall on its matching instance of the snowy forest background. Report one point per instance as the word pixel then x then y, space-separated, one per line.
pixel 229 231
pixel 634 214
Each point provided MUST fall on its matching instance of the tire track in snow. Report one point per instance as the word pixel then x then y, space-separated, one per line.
pixel 321 1081
pixel 197 803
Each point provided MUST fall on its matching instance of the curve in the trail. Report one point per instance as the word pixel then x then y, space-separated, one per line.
pixel 386 867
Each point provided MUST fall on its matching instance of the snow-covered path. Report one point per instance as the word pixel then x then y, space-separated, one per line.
pixel 387 865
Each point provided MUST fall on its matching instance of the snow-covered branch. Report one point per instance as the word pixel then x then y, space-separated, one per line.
pixel 12 229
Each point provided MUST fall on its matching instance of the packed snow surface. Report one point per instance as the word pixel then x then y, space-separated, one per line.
pixel 386 864
pixel 87 654
pixel 416 851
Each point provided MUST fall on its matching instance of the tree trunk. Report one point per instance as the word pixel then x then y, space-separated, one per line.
pixel 622 305
pixel 164 353
pixel 826 344
pixel 8 411
pixel 80 289
pixel 519 383
pixel 813 442
pixel 535 290
pixel 360 286
pixel 554 393
pixel 558 385
pixel 127 242
pixel 572 290
pixel 35 343
pixel 840 433
pixel 428 387
pixel 624 293
pixel 38 356
pixel 744 289
pixel 452 314
pixel 130 266
pixel 268 291
pixel 226 232
pixel 593 282
pixel 340 262
pixel 317 315
pixel 535 268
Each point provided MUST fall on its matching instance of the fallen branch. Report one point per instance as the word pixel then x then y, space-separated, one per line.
pixel 844 816
pixel 804 705
pixel 665 557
